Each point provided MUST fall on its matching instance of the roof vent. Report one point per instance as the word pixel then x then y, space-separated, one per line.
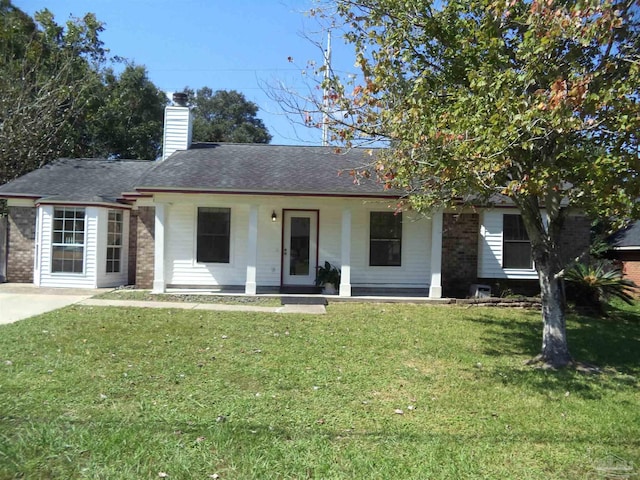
pixel 180 99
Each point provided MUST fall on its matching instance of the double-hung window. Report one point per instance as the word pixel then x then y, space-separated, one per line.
pixel 214 235
pixel 385 239
pixel 516 246
pixel 114 241
pixel 67 246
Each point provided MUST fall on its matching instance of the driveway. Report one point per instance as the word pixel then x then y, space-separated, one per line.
pixel 20 300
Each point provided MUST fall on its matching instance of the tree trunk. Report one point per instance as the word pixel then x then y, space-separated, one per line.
pixel 555 350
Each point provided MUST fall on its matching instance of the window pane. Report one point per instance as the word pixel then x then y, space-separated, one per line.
pixel 300 246
pixel 67 252
pixel 67 259
pixel 385 241
pixel 517 255
pixel 514 228
pixel 213 243
pixel 516 247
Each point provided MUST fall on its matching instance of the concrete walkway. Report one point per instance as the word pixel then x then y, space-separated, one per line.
pixel 221 307
pixel 19 301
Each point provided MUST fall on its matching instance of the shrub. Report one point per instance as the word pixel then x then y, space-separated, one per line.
pixel 594 285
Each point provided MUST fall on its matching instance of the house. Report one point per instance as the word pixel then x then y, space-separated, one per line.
pixel 253 219
pixel 625 249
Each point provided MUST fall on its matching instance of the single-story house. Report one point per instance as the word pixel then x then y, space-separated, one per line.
pixel 625 249
pixel 251 218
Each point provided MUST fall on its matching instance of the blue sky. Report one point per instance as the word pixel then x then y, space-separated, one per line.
pixel 233 44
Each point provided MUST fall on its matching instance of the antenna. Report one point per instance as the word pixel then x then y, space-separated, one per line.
pixel 325 92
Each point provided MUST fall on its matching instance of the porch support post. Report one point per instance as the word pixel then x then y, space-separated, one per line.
pixel 435 289
pixel 159 284
pixel 345 276
pixel 250 286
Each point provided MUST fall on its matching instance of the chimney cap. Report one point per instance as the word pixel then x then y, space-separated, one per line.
pixel 180 99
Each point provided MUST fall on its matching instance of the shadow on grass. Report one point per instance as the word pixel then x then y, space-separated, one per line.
pixel 611 343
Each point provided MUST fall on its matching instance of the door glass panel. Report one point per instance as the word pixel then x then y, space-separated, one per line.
pixel 300 241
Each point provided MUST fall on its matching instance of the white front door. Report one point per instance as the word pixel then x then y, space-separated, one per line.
pixel 300 247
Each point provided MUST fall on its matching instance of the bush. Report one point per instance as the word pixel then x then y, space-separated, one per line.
pixel 594 285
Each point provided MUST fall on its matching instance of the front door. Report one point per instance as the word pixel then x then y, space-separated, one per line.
pixel 300 247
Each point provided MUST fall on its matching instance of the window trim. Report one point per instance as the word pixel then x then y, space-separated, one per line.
pixel 119 247
pixel 63 244
pixel 196 236
pixel 399 240
pixel 506 241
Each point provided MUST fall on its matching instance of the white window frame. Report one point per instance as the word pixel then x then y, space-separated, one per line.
pixel 514 241
pixel 68 241
pixel 119 233
pixel 196 236
pixel 401 239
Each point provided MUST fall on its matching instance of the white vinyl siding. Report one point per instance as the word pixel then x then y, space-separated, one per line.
pixel 86 279
pixel 95 241
pixel 181 267
pixel 490 252
pixel 180 251
pixel 415 264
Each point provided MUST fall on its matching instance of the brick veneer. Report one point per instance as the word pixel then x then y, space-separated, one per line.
pixel 459 253
pixel 145 244
pixel 20 250
pixel 575 237
pixel 133 247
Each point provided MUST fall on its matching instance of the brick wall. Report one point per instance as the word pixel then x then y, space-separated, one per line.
pixel 21 245
pixel 460 234
pixel 133 247
pixel 145 242
pixel 630 261
pixel 575 237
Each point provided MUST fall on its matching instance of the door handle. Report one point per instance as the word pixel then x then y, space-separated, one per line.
pixel 285 251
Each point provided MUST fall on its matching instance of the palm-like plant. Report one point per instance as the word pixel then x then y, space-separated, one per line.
pixel 595 284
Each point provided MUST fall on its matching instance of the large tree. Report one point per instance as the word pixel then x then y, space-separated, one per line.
pixel 126 117
pixel 533 101
pixel 47 79
pixel 225 116
pixel 59 98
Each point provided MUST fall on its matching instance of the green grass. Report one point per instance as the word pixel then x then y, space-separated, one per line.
pixel 106 393
pixel 146 295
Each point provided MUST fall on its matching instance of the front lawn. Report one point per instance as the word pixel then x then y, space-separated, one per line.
pixel 366 391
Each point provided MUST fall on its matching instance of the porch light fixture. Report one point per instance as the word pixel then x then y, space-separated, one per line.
pixel 274 217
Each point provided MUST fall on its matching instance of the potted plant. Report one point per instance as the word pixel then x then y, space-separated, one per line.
pixel 328 276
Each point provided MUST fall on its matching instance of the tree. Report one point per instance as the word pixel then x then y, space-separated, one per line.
pixel 535 101
pixel 126 120
pixel 225 116
pixel 58 99
pixel 47 79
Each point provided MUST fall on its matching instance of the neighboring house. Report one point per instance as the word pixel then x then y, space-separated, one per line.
pixel 625 248
pixel 251 218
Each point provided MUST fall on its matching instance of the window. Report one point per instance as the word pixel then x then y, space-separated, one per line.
pixel 67 246
pixel 516 247
pixel 114 241
pixel 214 227
pixel 385 239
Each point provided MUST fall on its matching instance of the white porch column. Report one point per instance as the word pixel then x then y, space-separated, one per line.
pixel 158 258
pixel 345 276
pixel 435 290
pixel 252 251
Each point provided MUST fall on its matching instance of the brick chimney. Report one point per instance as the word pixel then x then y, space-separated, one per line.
pixel 177 126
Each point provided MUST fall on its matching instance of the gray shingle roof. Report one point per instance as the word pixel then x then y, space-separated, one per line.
pixel 627 237
pixel 79 180
pixel 259 168
pixel 249 168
